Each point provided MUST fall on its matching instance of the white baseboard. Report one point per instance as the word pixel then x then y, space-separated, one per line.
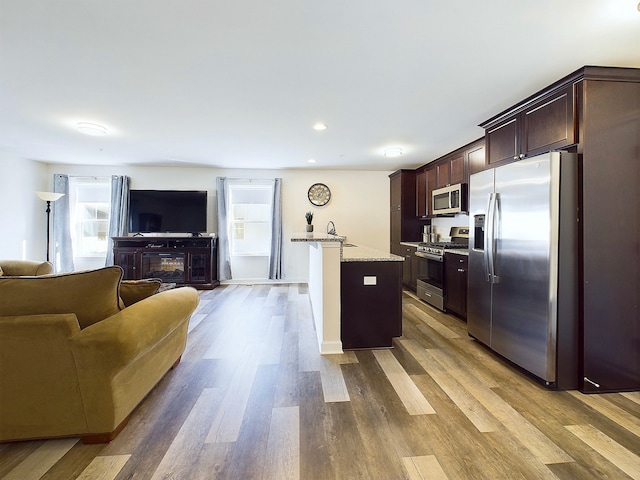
pixel 331 348
pixel 261 281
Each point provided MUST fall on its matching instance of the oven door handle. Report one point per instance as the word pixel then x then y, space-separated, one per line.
pixel 430 256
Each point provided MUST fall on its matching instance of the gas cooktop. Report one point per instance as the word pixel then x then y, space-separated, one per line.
pixel 459 239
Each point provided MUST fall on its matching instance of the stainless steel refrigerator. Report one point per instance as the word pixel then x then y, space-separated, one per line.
pixel 523 265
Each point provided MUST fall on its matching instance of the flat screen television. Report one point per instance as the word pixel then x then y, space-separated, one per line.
pixel 168 211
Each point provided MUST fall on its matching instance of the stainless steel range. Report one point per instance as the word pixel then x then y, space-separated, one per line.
pixel 430 278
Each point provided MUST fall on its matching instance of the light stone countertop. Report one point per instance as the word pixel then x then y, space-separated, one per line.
pixel 410 244
pixel 316 237
pixel 458 251
pixel 348 251
pixel 366 254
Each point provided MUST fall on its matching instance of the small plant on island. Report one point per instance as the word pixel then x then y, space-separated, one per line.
pixel 309 217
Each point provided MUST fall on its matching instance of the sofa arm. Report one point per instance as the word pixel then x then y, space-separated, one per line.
pixel 121 358
pixel 121 338
pixel 19 268
pixel 39 391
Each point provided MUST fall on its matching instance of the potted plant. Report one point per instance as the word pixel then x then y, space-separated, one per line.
pixel 309 217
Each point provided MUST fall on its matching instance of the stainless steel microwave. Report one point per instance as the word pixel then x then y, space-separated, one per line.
pixel 449 200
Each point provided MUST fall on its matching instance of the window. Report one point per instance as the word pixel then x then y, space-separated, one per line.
pixel 250 218
pixel 90 206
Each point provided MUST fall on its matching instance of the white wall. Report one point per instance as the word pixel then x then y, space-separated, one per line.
pixel 22 213
pixel 359 203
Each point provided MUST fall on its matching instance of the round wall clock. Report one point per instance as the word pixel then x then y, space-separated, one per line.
pixel 319 194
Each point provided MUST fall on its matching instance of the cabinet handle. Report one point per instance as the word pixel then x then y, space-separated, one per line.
pixel 461 270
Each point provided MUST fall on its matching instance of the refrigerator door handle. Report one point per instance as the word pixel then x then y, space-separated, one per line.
pixel 485 233
pixel 495 234
pixel 490 240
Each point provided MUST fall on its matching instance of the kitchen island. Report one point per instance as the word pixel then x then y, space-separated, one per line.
pixel 355 293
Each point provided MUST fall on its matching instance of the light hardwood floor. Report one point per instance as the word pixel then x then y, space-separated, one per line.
pixel 253 399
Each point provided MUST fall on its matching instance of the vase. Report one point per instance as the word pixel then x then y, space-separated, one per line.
pixel 309 228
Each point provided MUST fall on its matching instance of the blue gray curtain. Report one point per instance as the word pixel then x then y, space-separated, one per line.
pixel 119 212
pixel 62 257
pixel 275 257
pixel 224 259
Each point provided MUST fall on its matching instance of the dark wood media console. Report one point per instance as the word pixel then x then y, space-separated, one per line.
pixel 189 261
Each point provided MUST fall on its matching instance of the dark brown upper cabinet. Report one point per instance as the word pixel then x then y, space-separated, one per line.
pixel 450 169
pixel 421 194
pixel 443 173
pixel 544 124
pixel 431 186
pixel 457 169
pixel 475 157
pixel 405 226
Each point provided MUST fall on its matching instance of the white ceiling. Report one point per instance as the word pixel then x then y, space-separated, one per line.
pixel 240 83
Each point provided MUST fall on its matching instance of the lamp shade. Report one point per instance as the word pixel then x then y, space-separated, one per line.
pixel 49 196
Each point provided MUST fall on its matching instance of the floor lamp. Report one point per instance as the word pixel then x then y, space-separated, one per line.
pixel 49 197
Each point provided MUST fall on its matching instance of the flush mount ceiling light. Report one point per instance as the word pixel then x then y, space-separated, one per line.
pixel 312 160
pixel 319 127
pixel 92 129
pixel 393 152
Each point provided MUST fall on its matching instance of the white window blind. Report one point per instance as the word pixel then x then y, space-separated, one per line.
pixel 250 218
pixel 90 206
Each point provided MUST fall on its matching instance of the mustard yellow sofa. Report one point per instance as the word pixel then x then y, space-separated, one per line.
pixel 25 267
pixel 75 359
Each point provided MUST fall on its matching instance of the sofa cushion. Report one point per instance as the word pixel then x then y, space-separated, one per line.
pixel 92 295
pixel 132 291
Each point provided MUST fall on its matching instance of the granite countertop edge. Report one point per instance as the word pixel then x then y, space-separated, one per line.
pixel 350 253
pixel 410 244
pixel 366 254
pixel 457 251
pixel 316 237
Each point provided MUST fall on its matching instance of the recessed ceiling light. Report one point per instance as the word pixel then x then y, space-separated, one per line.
pixel 393 152
pixel 319 126
pixel 312 160
pixel 92 129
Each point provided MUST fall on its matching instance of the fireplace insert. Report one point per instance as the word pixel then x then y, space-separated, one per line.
pixel 169 267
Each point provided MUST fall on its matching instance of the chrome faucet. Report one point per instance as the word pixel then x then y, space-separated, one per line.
pixel 332 230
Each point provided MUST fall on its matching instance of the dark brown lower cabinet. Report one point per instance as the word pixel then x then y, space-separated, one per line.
pixel 371 303
pixel 409 266
pixel 455 278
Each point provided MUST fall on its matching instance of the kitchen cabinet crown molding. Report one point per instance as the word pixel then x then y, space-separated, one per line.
pixel 621 74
